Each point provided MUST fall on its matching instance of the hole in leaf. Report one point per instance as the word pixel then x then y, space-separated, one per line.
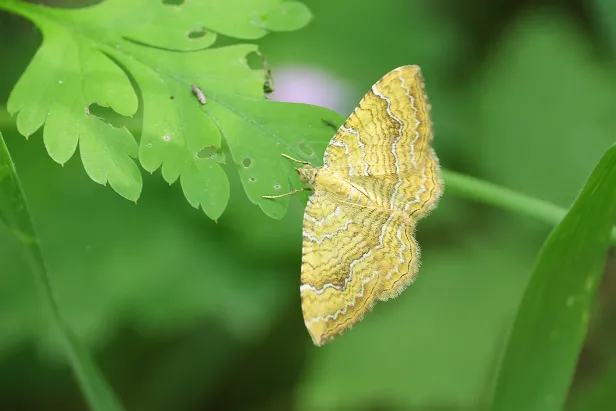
pixel 212 153
pixel 252 180
pixel 173 2
pixel 166 138
pixel 305 149
pixel 207 152
pixel 247 162
pixel 257 61
pixel 254 59
pixel 197 34
pixel 276 186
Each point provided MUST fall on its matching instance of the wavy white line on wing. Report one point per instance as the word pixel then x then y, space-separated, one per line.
pixel 344 310
pixel 306 287
pixel 422 190
pixel 319 241
pixel 347 153
pixel 396 119
pixel 400 251
pixel 321 221
pixel 417 122
pixel 360 144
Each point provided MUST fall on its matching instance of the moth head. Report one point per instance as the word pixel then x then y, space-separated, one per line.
pixel 307 174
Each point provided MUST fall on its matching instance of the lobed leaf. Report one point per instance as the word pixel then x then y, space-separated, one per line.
pixel 90 55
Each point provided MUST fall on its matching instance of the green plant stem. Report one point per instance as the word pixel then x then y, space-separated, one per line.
pixel 14 214
pixel 99 396
pixel 484 192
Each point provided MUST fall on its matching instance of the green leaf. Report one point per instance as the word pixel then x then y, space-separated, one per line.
pixel 250 19
pixel 552 320
pixel 87 56
pixel 14 214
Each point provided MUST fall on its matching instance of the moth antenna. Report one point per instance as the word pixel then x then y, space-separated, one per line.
pixel 296 160
pixel 289 193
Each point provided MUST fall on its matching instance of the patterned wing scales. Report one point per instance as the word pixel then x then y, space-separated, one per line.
pixel 404 258
pixel 390 131
pixel 380 176
pixel 414 193
pixel 350 254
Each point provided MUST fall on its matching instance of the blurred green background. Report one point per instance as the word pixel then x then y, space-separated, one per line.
pixel 187 314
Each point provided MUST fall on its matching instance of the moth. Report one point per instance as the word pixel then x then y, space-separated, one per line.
pixel 380 176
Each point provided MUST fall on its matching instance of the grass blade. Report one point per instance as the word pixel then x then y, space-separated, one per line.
pixel 14 214
pixel 548 333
